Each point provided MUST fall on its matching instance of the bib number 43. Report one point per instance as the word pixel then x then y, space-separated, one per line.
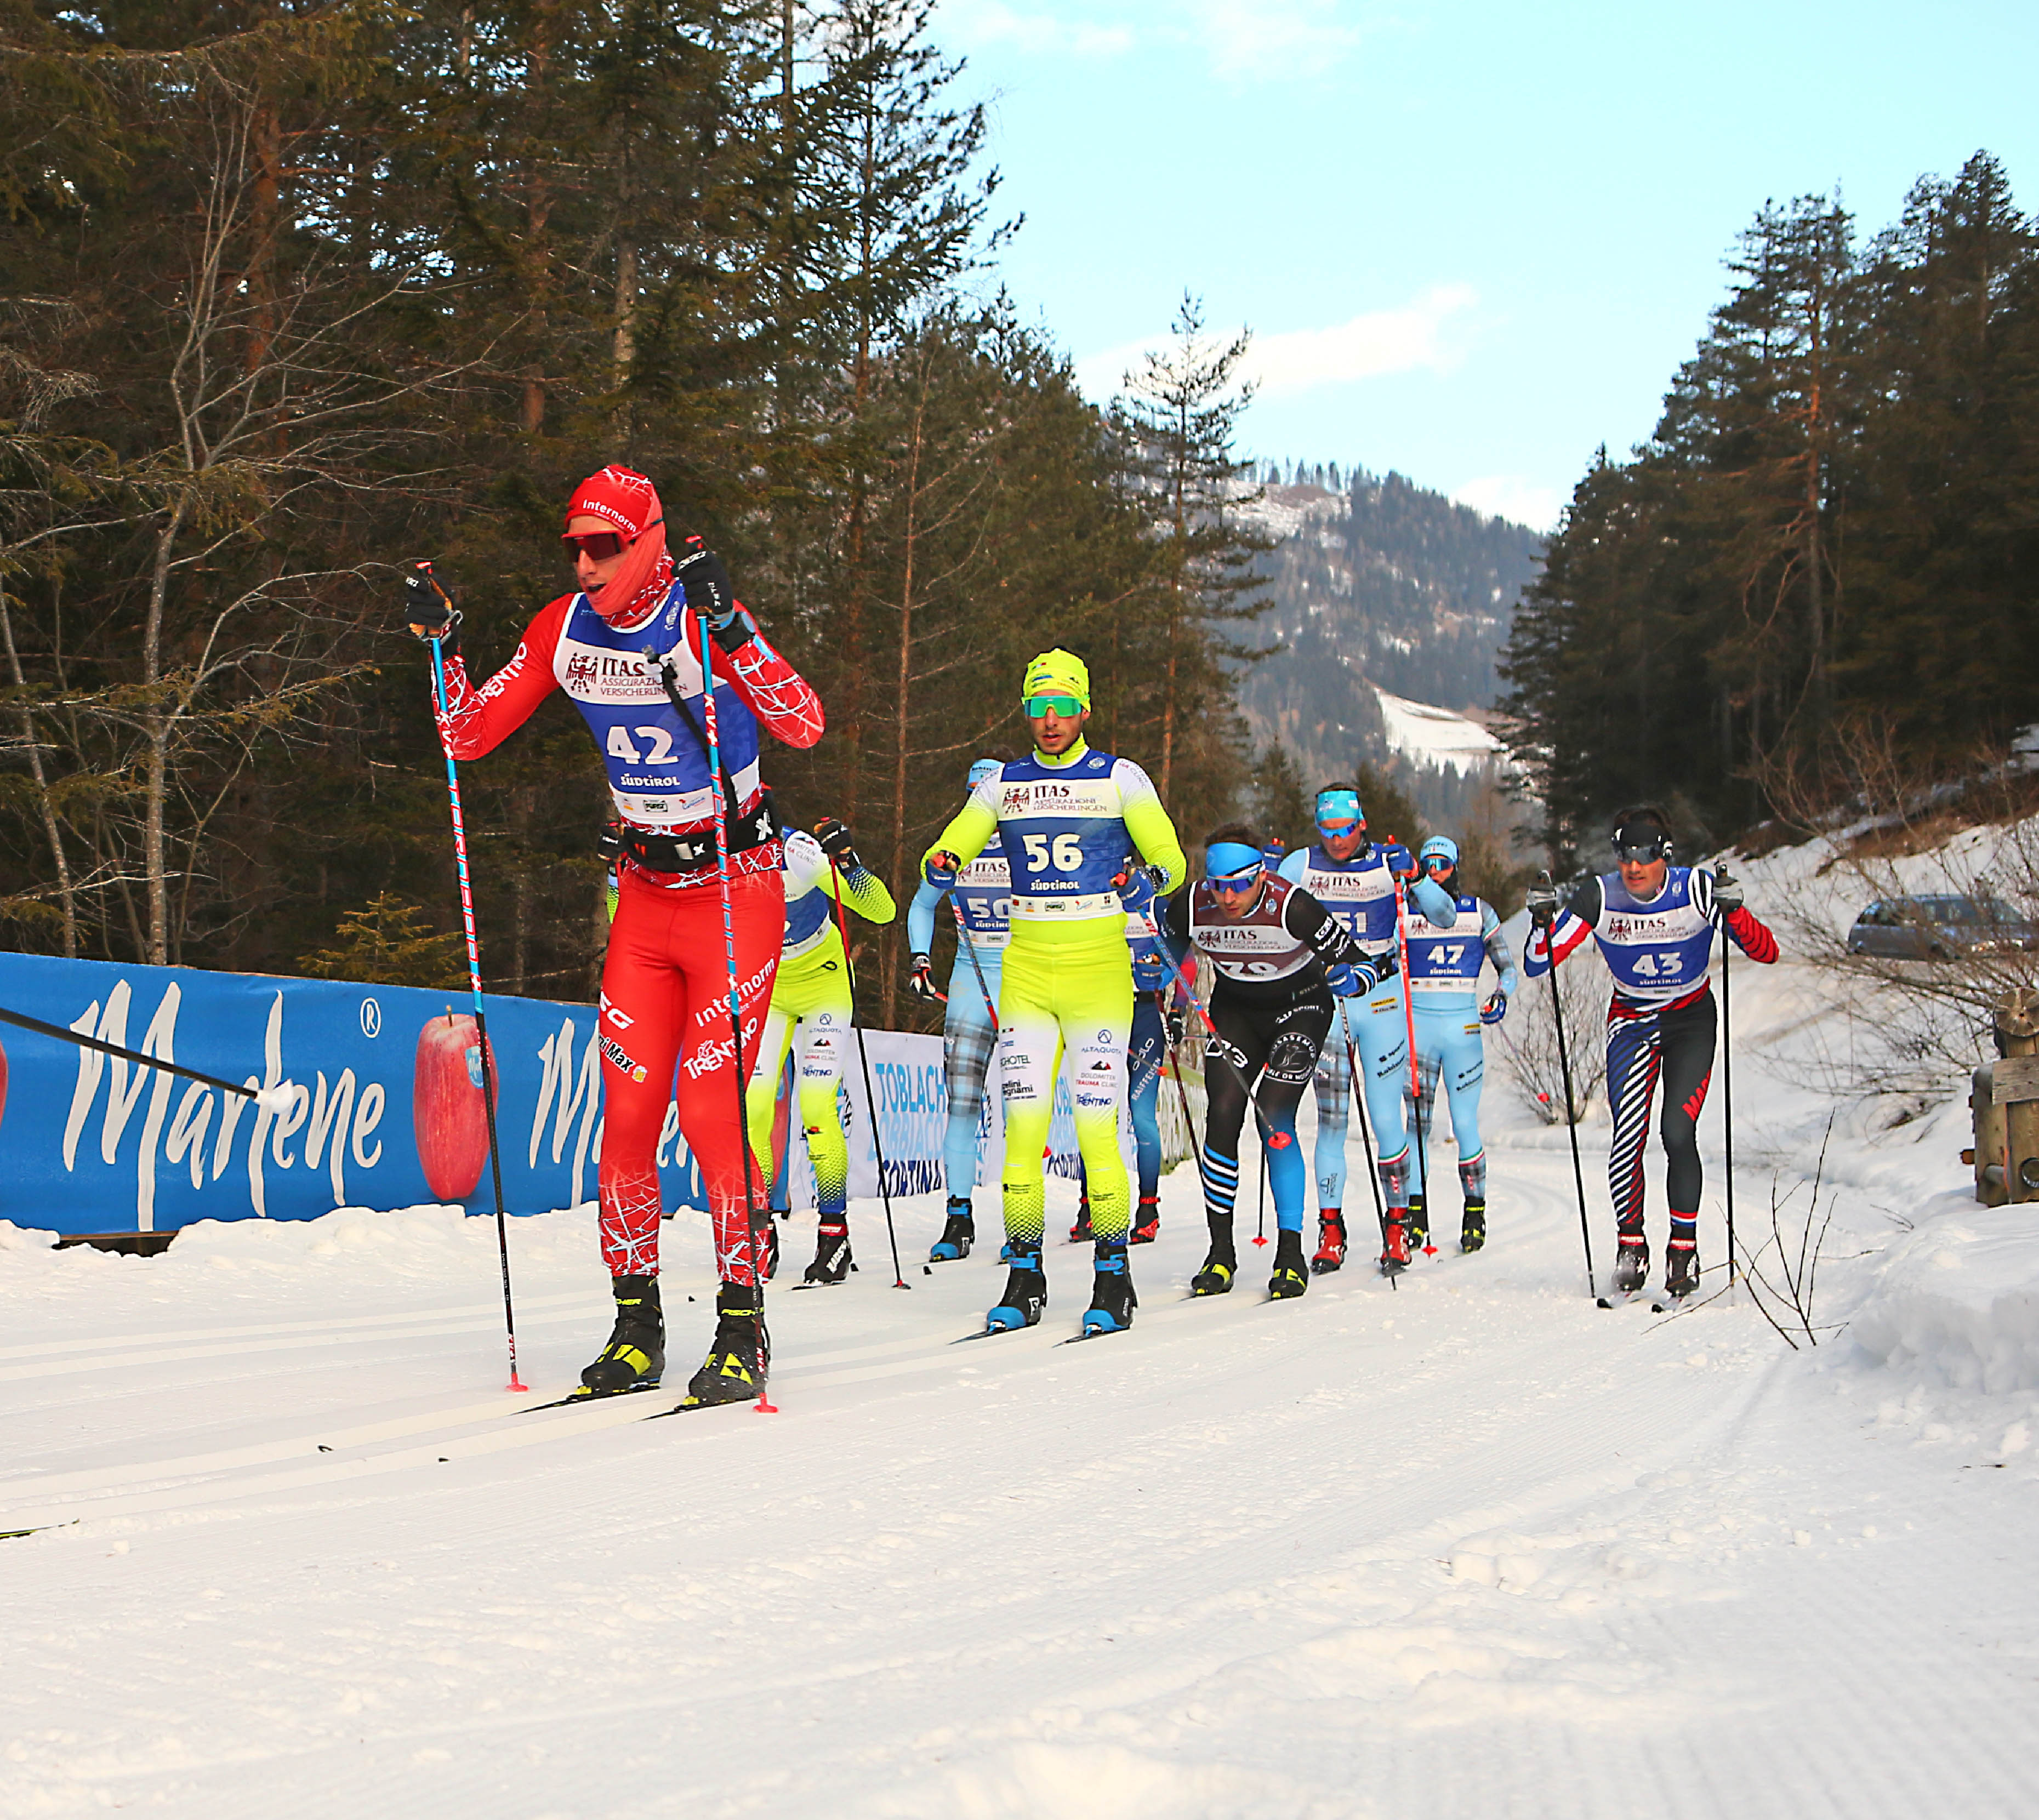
pixel 1659 966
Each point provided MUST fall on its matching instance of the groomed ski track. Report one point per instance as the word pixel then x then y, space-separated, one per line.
pixel 1470 1546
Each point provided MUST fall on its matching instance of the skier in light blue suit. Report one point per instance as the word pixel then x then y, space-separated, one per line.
pixel 983 898
pixel 1354 878
pixel 1443 989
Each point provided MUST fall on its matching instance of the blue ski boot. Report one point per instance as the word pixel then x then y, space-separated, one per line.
pixel 957 1235
pixel 1026 1292
pixel 1112 1300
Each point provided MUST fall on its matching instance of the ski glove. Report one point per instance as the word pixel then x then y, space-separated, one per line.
pixel 1727 892
pixel 834 837
pixel 940 868
pixel 1177 1026
pixel 920 982
pixel 1136 886
pixel 1543 905
pixel 429 611
pixel 1346 982
pixel 705 582
pixel 1495 1009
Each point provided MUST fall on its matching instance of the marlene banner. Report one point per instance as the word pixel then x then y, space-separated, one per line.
pixel 386 1109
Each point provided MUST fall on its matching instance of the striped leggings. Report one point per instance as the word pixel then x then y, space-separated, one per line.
pixel 1674 1046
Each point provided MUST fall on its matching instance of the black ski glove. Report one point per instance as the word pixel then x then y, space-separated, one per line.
pixel 1542 902
pixel 834 837
pixel 920 982
pixel 1176 1027
pixel 1727 892
pixel 706 584
pixel 429 611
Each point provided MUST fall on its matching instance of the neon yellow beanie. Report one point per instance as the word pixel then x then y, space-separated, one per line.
pixel 1057 673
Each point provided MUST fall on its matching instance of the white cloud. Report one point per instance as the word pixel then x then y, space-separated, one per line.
pixel 1262 38
pixel 985 22
pixel 1512 497
pixel 1282 365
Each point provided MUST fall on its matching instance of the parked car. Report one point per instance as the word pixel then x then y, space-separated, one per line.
pixel 1939 928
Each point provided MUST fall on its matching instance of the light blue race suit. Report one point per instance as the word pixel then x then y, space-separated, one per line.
pixel 983 898
pixel 1360 893
pixel 1444 988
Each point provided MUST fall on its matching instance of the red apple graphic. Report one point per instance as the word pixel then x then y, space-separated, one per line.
pixel 447 1111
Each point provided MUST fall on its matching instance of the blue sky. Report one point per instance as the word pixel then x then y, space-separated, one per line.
pixel 1473 241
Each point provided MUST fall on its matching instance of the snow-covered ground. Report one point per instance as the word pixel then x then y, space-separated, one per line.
pixel 1468 1547
pixel 1431 735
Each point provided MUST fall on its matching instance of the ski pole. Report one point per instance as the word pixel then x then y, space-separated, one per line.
pixel 1727 1105
pixel 489 1082
pixel 276 1099
pixel 1571 1124
pixel 1365 1135
pixel 739 1073
pixel 1182 1092
pixel 976 966
pixel 1416 1067
pixel 870 1101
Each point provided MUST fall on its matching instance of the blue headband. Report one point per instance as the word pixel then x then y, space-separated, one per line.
pixel 1223 858
pixel 1340 805
pixel 980 769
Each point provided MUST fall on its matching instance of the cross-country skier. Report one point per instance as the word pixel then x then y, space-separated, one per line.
pixel 1156 1029
pixel 1444 991
pixel 1354 878
pixel 1654 923
pixel 815 991
pixel 1280 958
pixel 1067 817
pixel 665 990
pixel 982 895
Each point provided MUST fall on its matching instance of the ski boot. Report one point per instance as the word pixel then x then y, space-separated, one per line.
pixel 1112 1300
pixel 958 1235
pixel 1147 1220
pixel 1682 1268
pixel 1631 1264
pixel 832 1263
pixel 1291 1276
pixel 1220 1268
pixel 738 1357
pixel 1419 1225
pixel 1472 1234
pixel 770 1240
pixel 1080 1233
pixel 1330 1241
pixel 635 1358
pixel 1394 1251
pixel 1026 1292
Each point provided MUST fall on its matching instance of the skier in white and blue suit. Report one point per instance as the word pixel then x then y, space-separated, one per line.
pixel 1444 967
pixel 1354 878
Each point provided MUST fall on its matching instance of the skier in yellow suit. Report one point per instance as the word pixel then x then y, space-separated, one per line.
pixel 814 991
pixel 1077 826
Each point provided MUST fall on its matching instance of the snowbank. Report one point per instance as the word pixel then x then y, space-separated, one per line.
pixel 1958 1299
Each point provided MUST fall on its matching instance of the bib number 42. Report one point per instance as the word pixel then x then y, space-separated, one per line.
pixel 659 745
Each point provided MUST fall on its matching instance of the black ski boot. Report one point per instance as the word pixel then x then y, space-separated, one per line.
pixel 1631 1264
pixel 1111 1300
pixel 1080 1233
pixel 1220 1268
pixel 958 1235
pixel 1025 1291
pixel 1472 1234
pixel 1681 1269
pixel 1331 1242
pixel 832 1263
pixel 740 1356
pixel 635 1358
pixel 1147 1220
pixel 1419 1224
pixel 1291 1275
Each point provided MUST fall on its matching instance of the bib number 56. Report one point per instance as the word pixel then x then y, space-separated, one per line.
pixel 1064 854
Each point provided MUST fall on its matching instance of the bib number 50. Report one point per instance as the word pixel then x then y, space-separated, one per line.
pixel 1065 854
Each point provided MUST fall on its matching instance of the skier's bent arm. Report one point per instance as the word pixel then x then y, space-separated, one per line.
pixel 969 831
pixel 1147 822
pixel 921 918
pixel 1752 938
pixel 476 721
pixel 1575 924
pixel 1435 902
pixel 864 893
pixel 1498 950
pixel 783 701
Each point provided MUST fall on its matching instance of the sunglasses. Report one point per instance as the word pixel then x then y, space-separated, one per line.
pixel 1039 707
pixel 1238 883
pixel 599 546
pixel 1437 862
pixel 1641 852
pixel 1338 830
